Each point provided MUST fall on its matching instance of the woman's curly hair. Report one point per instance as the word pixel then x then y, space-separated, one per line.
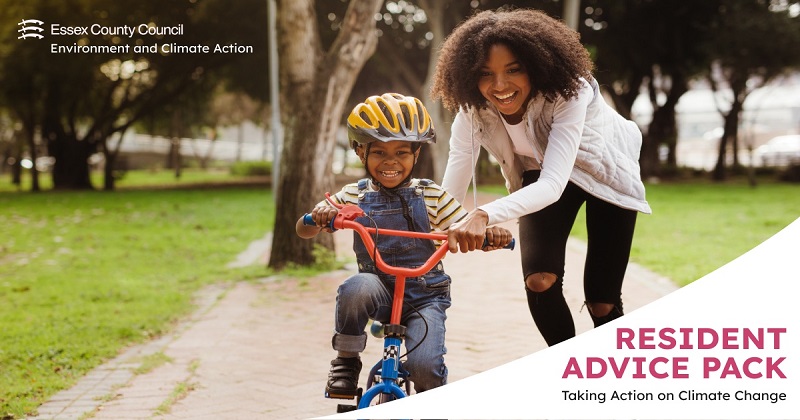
pixel 550 51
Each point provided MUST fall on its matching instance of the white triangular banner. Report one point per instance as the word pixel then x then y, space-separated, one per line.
pixel 725 346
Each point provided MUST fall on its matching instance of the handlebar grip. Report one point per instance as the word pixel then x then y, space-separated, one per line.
pixel 509 246
pixel 309 221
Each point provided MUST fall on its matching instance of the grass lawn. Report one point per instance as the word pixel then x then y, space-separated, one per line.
pixel 709 227
pixel 137 179
pixel 84 274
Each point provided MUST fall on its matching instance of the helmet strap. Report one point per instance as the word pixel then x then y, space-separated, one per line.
pixel 403 202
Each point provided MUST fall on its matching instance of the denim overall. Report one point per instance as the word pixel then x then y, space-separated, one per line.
pixel 368 294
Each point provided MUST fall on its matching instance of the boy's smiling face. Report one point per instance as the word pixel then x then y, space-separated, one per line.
pixel 388 163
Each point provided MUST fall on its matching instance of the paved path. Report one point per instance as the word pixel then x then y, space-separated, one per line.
pixel 262 350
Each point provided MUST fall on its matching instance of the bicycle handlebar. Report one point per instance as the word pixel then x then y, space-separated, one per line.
pixel 333 226
pixel 345 219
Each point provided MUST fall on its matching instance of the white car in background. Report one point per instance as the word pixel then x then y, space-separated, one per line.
pixel 780 151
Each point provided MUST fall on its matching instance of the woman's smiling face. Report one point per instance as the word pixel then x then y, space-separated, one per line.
pixel 504 82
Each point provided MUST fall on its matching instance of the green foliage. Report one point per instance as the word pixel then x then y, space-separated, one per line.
pixel 251 168
pixel 85 274
pixel 324 258
pixel 791 174
pixel 324 261
pixel 402 58
pixel 78 100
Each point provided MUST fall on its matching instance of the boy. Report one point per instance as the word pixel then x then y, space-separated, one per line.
pixel 387 132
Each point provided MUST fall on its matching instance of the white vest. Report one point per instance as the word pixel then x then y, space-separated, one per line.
pixel 607 164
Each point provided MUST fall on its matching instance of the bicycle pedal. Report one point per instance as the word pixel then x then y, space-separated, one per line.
pixel 344 408
pixel 343 395
pixel 340 396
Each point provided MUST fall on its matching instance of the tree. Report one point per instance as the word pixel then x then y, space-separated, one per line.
pixel 650 44
pixel 183 117
pixel 79 100
pixel 315 84
pixel 11 151
pixel 406 50
pixel 751 44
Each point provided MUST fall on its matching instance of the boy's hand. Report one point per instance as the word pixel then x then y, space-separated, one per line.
pixel 323 215
pixel 497 238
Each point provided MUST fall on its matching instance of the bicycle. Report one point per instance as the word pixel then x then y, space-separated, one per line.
pixel 393 378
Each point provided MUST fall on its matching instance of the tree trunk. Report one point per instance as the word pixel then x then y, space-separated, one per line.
pixel 663 128
pixel 16 172
pixel 719 173
pixel 71 154
pixel 435 10
pixel 108 172
pixel 176 130
pixel 174 160
pixel 30 137
pixel 16 166
pixel 318 84
pixel 729 135
pixel 110 155
pixel 239 142
pixel 737 82
pixel 71 168
pixel 648 157
pixel 303 183
pixel 204 158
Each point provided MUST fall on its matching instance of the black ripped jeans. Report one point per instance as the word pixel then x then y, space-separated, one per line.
pixel 543 241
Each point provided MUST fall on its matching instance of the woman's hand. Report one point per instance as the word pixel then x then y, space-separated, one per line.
pixel 497 238
pixel 468 233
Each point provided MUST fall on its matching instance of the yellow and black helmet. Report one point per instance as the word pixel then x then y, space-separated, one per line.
pixel 390 117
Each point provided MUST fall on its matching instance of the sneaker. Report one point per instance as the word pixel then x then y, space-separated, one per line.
pixel 343 378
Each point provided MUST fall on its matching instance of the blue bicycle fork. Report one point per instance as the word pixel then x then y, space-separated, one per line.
pixel 389 369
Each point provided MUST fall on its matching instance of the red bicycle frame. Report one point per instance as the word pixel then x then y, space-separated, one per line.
pixel 346 220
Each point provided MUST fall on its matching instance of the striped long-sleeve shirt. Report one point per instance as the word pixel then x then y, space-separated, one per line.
pixel 443 209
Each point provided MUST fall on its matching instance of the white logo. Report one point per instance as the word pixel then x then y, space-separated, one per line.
pixel 31 31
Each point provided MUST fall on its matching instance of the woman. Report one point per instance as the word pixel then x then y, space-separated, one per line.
pixel 523 88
